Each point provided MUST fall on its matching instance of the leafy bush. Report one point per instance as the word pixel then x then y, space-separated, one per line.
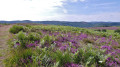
pixel 19 58
pixel 62 58
pixel 25 39
pixel 98 30
pixel 89 56
pixel 118 30
pixel 104 30
pixel 15 29
pixel 33 36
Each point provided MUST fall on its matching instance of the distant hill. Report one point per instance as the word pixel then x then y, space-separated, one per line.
pixel 68 23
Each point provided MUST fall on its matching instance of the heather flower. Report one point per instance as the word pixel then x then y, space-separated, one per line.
pixel 113 53
pixel 110 37
pixel 63 48
pixel 82 36
pixel 31 45
pixel 72 65
pixel 106 47
pixel 114 43
pixel 117 50
pixel 59 44
pixel 111 63
pixel 117 60
pixel 36 42
pixel 103 39
pixel 17 43
pixel 73 50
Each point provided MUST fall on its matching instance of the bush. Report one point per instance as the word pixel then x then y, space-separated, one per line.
pixel 33 36
pixel 19 58
pixel 104 30
pixel 15 29
pixel 118 30
pixel 98 30
pixel 25 39
pixel 62 58
pixel 90 56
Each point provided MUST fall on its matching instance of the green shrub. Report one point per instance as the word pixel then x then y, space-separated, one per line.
pixel 62 58
pixel 17 56
pixel 26 29
pixel 42 58
pixel 22 38
pixel 118 30
pixel 98 30
pixel 89 56
pixel 15 29
pixel 104 30
pixel 33 37
pixel 25 39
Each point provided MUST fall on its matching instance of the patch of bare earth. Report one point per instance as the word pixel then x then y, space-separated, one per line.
pixel 4 32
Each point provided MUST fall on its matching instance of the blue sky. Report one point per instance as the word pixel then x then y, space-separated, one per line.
pixel 92 6
pixel 61 10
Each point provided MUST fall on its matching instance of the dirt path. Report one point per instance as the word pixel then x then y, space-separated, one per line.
pixel 4 32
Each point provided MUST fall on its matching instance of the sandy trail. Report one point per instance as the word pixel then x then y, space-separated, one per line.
pixel 4 32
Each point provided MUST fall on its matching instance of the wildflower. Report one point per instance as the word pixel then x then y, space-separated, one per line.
pixel 17 43
pixel 103 39
pixel 63 48
pixel 73 50
pixel 72 65
pixel 106 47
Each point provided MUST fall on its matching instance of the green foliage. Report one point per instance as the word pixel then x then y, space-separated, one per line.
pixel 89 56
pixel 42 58
pixel 104 30
pixel 28 25
pixel 118 30
pixel 62 58
pixel 16 56
pixel 98 30
pixel 15 29
pixel 22 38
pixel 33 36
pixel 26 29
pixel 48 39
pixel 25 39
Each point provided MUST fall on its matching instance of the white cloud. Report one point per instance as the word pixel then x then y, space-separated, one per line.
pixel 82 0
pixel 26 9
pixel 65 11
pixel 46 10
pixel 74 0
pixel 77 0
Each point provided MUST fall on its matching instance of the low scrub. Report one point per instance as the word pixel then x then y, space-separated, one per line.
pixel 15 29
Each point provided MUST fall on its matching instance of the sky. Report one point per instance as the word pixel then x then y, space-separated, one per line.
pixel 60 10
